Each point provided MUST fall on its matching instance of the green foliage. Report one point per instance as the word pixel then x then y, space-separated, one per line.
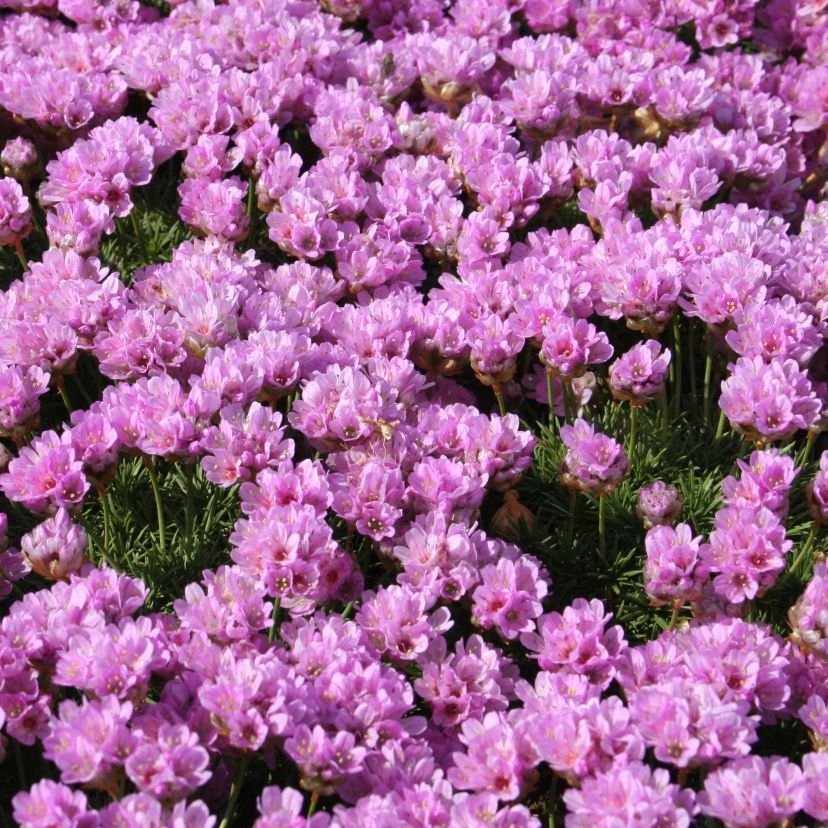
pixel 198 518
pixel 565 536
pixel 151 231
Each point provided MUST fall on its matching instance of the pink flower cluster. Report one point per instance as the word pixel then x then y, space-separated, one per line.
pixel 413 229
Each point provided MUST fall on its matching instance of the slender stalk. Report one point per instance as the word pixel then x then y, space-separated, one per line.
pixel 122 248
pixel 691 361
pixel 21 767
pixel 501 403
pixel 570 407
pixel 553 801
pixel 159 509
pixel 21 255
pixel 36 223
pixel 82 388
pixel 277 619
pixel 570 529
pixel 633 431
pixel 665 416
pixel 708 373
pixel 674 618
pixel 314 803
pixel 602 528
pixel 677 360
pixel 347 611
pixel 806 451
pixel 139 235
pixel 720 427
pixel 5 818
pixel 61 387
pixel 550 398
pixel 107 521
pixel 251 197
pixel 189 470
pixel 235 790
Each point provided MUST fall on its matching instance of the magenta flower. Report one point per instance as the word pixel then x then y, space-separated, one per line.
pixel 816 492
pixel 55 548
pixel 325 761
pixel 659 504
pixel 577 641
pixel 633 795
pixel 765 480
pixel 46 475
pixel 15 213
pixel 753 792
pixel 89 741
pixel 594 463
pixel 815 775
pixel 808 617
pixel 20 392
pixel 170 766
pixel 673 573
pixel 570 345
pixel 639 375
pixel 496 759
pixel 747 549
pixel 396 623
pixel 19 158
pixel 215 208
pixel 49 803
pixel 282 808
pixel 509 597
pixel 769 401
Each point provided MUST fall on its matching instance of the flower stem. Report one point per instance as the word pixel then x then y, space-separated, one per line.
pixel 602 528
pixel 677 356
pixel 277 619
pixel 122 248
pixel 633 431
pixel 189 470
pixel 235 790
pixel 721 425
pixel 251 197
pixel 674 618
pixel 806 451
pixel 139 235
pixel 570 529
pixel 64 395
pixel 708 373
pixel 550 398
pixel 501 403
pixel 568 400
pixel 107 522
pixel 21 255
pixel 665 416
pixel 159 509
pixel 21 767
pixel 314 803
pixel 691 360
pixel 553 801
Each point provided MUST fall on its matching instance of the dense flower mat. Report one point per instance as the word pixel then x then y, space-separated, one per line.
pixel 411 413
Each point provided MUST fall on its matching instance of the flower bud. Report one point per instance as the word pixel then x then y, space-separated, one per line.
pixel 509 518
pixel 19 159
pixel 808 617
pixel 659 504
pixel 56 547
